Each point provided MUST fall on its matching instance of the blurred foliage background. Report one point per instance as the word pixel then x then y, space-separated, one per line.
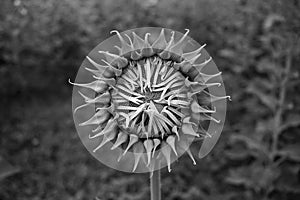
pixel 254 43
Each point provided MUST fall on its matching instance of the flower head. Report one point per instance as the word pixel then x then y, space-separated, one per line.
pixel 151 99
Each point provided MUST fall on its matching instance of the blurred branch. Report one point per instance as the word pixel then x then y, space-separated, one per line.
pixel 281 104
pixel 6 169
pixel 267 100
pixel 290 124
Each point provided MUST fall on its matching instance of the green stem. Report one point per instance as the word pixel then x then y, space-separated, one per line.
pixel 155 185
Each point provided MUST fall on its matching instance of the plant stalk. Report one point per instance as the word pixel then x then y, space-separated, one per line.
pixel 155 185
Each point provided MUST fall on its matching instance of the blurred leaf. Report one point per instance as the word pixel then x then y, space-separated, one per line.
pixel 250 143
pixel 227 53
pixel 224 196
pixel 270 67
pixel 263 127
pixel 6 169
pixel 292 122
pixel 267 99
pixel 271 20
pixel 237 155
pixel 254 176
pixel 288 182
pixel 263 84
pixel 291 151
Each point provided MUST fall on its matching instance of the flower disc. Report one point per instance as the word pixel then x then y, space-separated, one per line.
pixel 143 96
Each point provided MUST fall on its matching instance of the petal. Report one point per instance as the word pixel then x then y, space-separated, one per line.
pixel 166 151
pixel 165 54
pixel 122 138
pixel 196 108
pixel 109 136
pixel 192 54
pixel 191 156
pixel 135 55
pixel 147 51
pixel 125 47
pixel 184 145
pixel 105 71
pixel 156 144
pixel 97 86
pixel 98 118
pixel 203 78
pixel 138 150
pixel 110 126
pixel 183 66
pixel 138 42
pixel 109 81
pixel 178 47
pixel 148 144
pixel 189 130
pixel 175 130
pixel 115 60
pixel 96 72
pixel 170 115
pixel 160 43
pixel 200 66
pixel 171 141
pixel 214 98
pixel 132 140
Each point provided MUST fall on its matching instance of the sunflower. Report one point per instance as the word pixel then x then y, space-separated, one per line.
pixel 151 98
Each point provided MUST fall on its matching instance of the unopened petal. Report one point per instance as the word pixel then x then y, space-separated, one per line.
pixel 138 150
pixel 132 140
pixel 166 151
pixel 122 138
pixel 193 54
pixel 125 47
pixel 98 118
pixel 97 86
pixel 171 141
pixel 107 138
pixel 177 48
pixel 148 144
pixel 160 43
pixel 189 130
pixel 110 126
pixel 156 143
pixel 115 60
pixel 196 108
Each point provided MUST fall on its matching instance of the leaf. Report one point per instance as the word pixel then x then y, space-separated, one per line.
pixel 6 169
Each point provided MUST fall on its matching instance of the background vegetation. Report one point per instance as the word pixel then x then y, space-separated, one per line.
pixel 256 45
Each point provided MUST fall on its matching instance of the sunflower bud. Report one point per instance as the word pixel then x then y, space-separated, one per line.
pixel 152 99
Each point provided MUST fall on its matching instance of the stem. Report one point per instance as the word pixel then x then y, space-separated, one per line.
pixel 155 185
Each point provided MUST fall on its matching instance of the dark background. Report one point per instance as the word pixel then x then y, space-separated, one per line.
pixel 254 43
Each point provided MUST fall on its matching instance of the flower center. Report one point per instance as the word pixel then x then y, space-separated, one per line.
pixel 149 99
